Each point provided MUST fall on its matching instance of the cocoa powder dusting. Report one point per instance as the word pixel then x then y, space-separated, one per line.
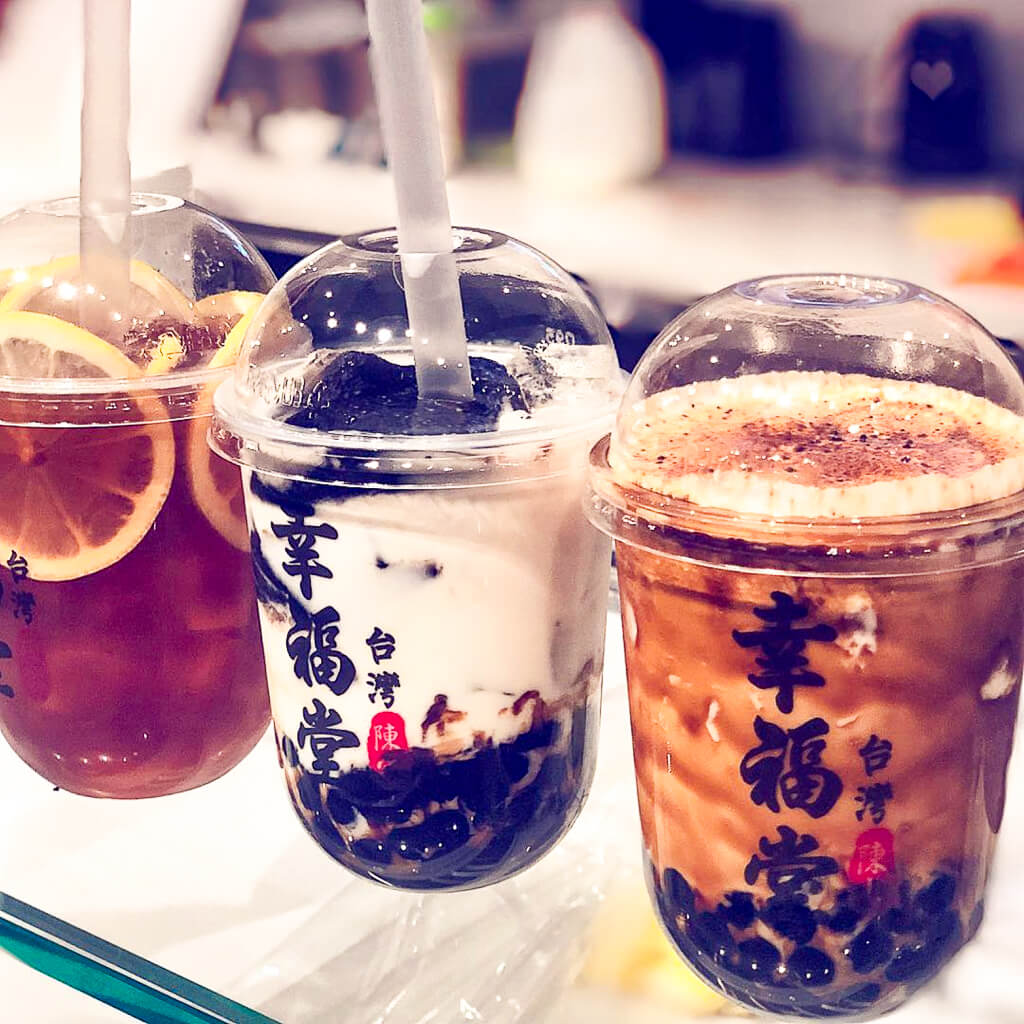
pixel 864 442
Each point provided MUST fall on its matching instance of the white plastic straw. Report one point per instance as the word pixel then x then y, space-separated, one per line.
pixel 409 119
pixel 105 190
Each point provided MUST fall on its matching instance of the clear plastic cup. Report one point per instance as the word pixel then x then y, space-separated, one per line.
pixel 130 661
pixel 433 600
pixel 816 489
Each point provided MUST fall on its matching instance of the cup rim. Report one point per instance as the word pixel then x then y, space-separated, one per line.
pixel 987 533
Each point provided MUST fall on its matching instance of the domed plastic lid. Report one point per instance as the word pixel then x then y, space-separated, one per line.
pixel 812 408
pixel 326 373
pixel 71 330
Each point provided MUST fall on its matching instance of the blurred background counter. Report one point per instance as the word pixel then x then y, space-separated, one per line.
pixel 697 226
pixel 657 147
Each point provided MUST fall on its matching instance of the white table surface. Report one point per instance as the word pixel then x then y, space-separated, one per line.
pixel 211 883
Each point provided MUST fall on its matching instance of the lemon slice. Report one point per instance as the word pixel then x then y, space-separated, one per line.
pixel 227 304
pixel 167 353
pixel 76 498
pixel 217 484
pixel 49 288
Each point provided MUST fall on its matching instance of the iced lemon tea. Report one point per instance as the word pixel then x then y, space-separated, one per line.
pixel 130 661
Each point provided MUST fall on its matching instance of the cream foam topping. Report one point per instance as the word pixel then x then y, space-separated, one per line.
pixel 813 444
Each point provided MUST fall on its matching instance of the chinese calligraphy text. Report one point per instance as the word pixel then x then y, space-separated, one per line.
pixel 782 662
pixel 300 548
pixel 787 763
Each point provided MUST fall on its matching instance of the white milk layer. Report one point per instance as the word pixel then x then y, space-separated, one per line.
pixel 477 594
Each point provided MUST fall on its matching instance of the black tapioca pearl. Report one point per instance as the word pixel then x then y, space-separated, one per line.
pixel 523 807
pixel 553 773
pixel 678 892
pixel 791 920
pixel 898 921
pixel 514 764
pixel 860 996
pixel 912 961
pixel 496 850
pixel 738 909
pixel 871 949
pixel 361 786
pixel 944 928
pixel 712 935
pixel 341 810
pixel 856 897
pixel 937 896
pixel 915 961
pixel 309 793
pixel 542 736
pixel 373 850
pixel 438 782
pixel 843 921
pixel 447 830
pixel 811 967
pixel 398 815
pixel 758 959
pixel 441 833
pixel 479 781
pixel 547 823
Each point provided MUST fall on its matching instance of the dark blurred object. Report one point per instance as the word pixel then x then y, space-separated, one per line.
pixel 493 82
pixel 945 97
pixel 635 319
pixel 726 71
pixel 282 248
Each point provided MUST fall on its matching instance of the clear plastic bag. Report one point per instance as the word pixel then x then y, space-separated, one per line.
pixel 498 955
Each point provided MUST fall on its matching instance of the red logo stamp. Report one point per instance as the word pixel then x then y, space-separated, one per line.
pixel 873 856
pixel 387 734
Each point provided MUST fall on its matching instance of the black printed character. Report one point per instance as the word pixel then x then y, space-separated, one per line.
pixel 381 644
pixel 384 685
pixel 312 644
pixel 872 799
pixel 24 605
pixel 5 652
pixel 18 565
pixel 782 662
pixel 301 537
pixel 788 762
pixel 790 868
pixel 875 755
pixel 322 729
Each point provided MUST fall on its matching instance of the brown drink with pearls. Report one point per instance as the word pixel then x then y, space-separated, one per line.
pixel 823 614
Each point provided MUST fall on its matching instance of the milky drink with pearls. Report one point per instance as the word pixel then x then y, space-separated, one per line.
pixel 432 597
